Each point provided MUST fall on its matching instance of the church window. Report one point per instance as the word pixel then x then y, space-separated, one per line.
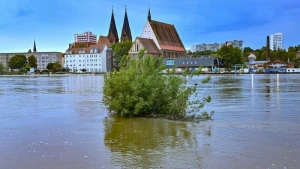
pixel 137 47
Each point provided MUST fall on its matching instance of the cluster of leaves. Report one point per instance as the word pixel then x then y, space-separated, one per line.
pixel 2 68
pixel 120 49
pixel 54 67
pixel 230 55
pixel 17 62
pixel 143 87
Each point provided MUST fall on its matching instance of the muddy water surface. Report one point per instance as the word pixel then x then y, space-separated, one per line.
pixel 60 122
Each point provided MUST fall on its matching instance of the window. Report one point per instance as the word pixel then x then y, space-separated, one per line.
pixel 137 47
pixel 170 62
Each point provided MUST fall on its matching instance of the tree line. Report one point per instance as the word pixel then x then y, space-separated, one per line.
pixel 230 55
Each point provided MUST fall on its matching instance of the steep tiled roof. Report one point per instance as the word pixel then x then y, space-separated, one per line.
pixel 126 32
pixel 149 45
pixel 167 36
pixel 104 41
pixel 113 32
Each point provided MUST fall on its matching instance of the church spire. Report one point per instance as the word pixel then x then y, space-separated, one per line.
pixel 34 47
pixel 113 33
pixel 149 15
pixel 126 33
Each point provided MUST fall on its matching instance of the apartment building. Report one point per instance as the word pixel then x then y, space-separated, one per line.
pixel 276 41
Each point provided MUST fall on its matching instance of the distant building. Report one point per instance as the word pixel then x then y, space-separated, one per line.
pixel 113 36
pixel 216 46
pixel 276 41
pixel 236 43
pixel 43 58
pixel 298 54
pixel 164 36
pixel 126 32
pixel 85 37
pixel 94 58
pixel 193 48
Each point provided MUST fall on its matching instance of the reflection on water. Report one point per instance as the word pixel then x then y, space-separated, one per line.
pixel 61 122
pixel 152 143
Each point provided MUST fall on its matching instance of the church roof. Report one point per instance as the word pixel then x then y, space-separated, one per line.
pixel 113 29
pixel 34 47
pixel 167 36
pixel 149 45
pixel 126 32
pixel 104 40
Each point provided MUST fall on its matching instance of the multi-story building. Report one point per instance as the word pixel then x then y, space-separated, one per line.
pixel 94 58
pixel 193 48
pixel 85 37
pixel 216 46
pixel 43 58
pixel 276 41
pixel 236 43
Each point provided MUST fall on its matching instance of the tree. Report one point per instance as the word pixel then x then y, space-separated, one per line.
pixel 2 68
pixel 32 62
pixel 230 55
pixel 120 49
pixel 57 66
pixel 50 66
pixel 203 53
pixel 83 70
pixel 141 89
pixel 248 50
pixel 17 62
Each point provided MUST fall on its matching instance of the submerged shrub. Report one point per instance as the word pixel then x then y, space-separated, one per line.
pixel 144 87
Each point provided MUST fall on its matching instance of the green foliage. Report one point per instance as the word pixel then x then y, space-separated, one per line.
pixel 17 62
pixel 57 66
pixel 141 88
pixel 230 55
pixel 2 68
pixel 83 70
pixel 120 49
pixel 50 66
pixel 248 50
pixel 203 53
pixel 32 61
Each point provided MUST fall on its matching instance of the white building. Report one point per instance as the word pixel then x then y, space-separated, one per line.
pixel 276 41
pixel 216 46
pixel 193 48
pixel 96 58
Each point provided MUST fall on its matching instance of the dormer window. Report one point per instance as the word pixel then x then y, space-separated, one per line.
pixel 91 51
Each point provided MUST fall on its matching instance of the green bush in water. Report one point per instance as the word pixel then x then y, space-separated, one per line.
pixel 144 87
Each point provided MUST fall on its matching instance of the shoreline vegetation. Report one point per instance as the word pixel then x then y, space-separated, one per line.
pixel 140 89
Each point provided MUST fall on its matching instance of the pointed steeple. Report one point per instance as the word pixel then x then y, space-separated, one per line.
pixel 149 15
pixel 113 33
pixel 34 47
pixel 126 33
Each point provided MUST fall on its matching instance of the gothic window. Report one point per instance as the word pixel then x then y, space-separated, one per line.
pixel 137 47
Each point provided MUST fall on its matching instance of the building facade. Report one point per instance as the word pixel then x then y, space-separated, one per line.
pixel 85 37
pixel 216 46
pixel 276 41
pixel 43 58
pixel 95 58
pixel 164 36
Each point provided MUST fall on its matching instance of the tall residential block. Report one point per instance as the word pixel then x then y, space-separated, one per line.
pixel 276 41
pixel 216 46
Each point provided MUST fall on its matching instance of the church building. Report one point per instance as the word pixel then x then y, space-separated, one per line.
pixel 164 36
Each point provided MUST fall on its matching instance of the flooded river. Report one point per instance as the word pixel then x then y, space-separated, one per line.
pixel 60 122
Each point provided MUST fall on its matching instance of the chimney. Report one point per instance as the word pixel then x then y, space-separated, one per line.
pixel 268 49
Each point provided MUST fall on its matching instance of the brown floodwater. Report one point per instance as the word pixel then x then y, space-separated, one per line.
pixel 60 122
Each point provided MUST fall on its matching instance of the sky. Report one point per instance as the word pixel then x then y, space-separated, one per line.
pixel 53 23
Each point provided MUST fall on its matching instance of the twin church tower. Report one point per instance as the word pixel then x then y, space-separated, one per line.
pixel 113 32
